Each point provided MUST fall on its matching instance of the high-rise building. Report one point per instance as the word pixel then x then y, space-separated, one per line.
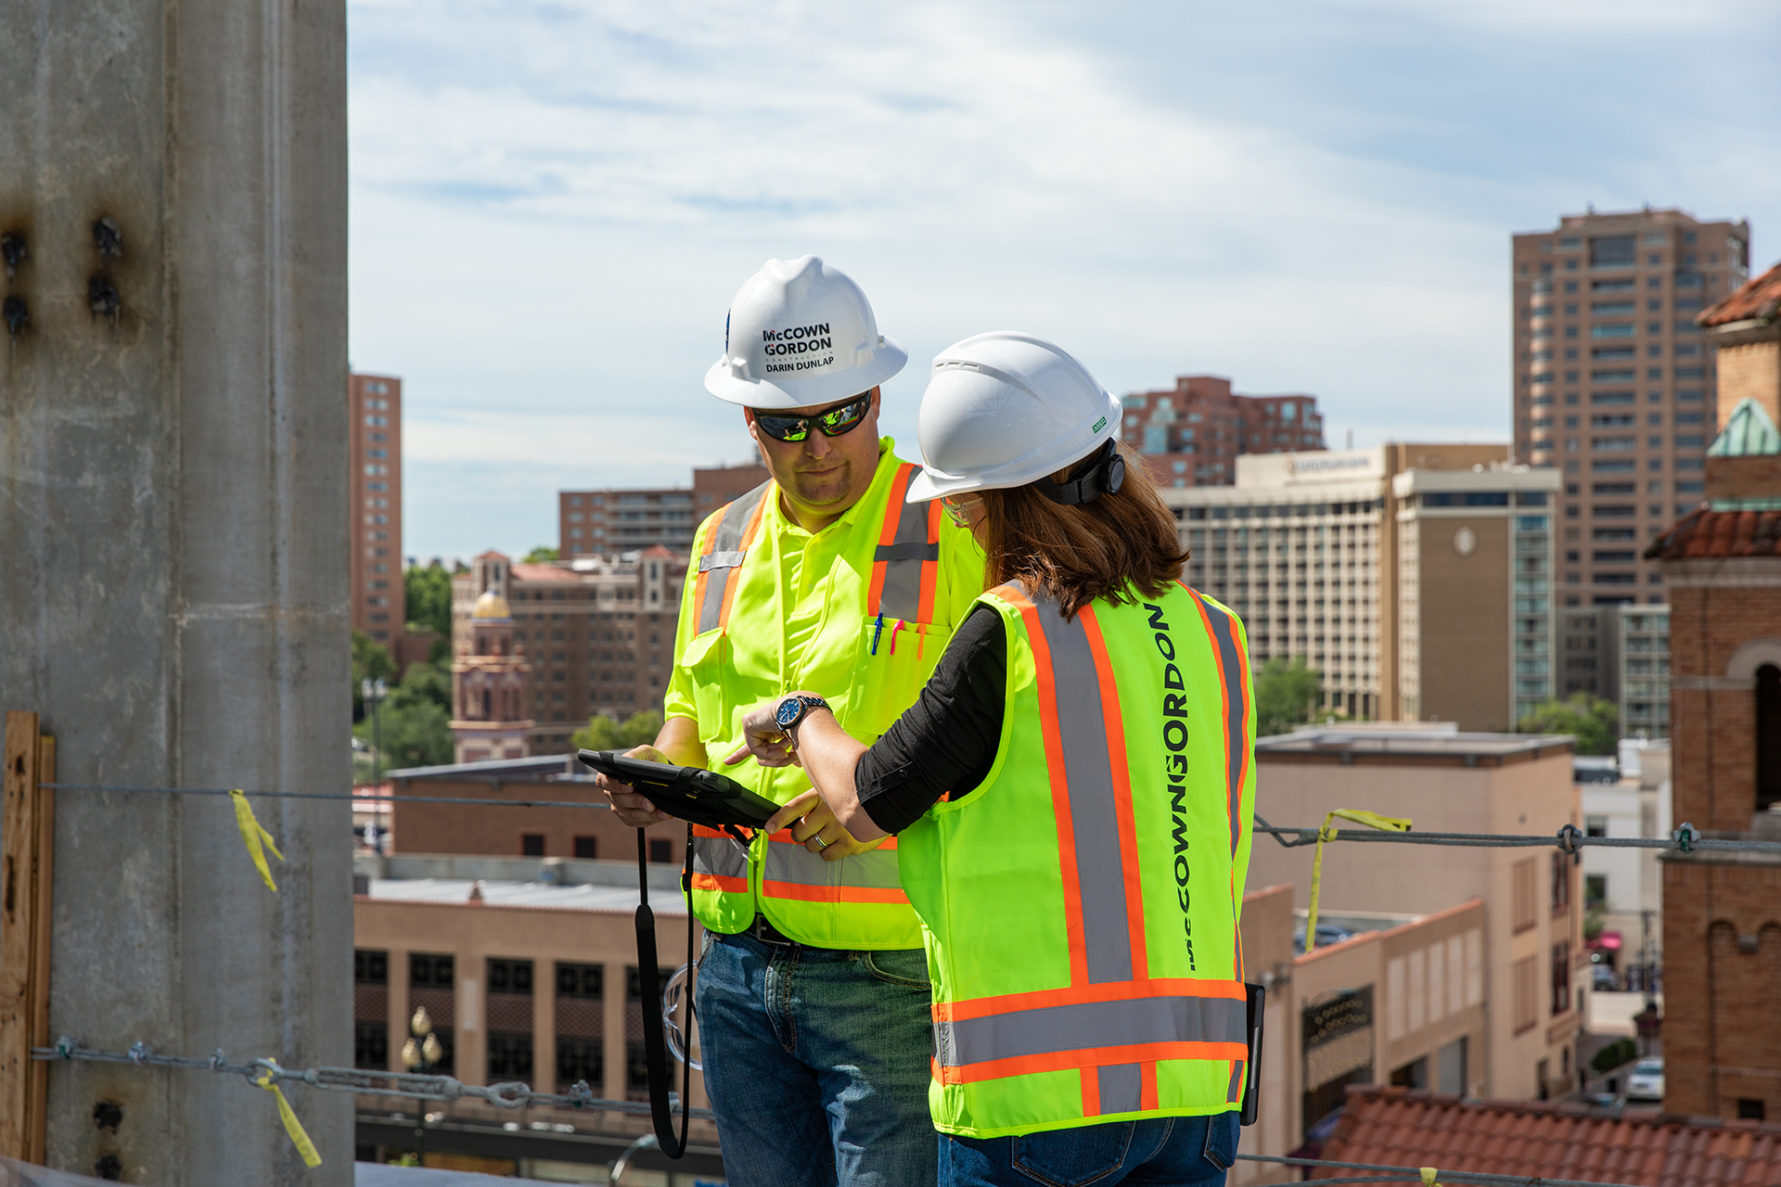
pixel 374 404
pixel 1191 434
pixel 606 522
pixel 1722 567
pixel 596 635
pixel 1415 578
pixel 1614 384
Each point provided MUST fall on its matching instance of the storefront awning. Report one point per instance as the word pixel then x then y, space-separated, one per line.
pixel 1608 941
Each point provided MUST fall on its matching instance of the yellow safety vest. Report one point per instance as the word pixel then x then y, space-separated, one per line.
pixel 905 576
pixel 1080 907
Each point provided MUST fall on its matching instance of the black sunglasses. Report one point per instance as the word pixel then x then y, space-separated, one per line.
pixel 834 420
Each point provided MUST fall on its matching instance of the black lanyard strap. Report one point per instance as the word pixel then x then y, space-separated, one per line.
pixel 655 1047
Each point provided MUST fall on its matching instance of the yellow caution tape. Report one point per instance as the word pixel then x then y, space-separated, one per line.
pixel 1390 824
pixel 1428 1177
pixel 299 1136
pixel 257 838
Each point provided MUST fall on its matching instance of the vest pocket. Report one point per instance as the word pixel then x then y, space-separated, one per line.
pixel 892 662
pixel 705 657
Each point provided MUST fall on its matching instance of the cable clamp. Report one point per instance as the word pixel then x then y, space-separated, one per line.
pixel 510 1094
pixel 580 1096
pixel 138 1052
pixel 216 1060
pixel 1685 836
pixel 65 1046
pixel 1568 839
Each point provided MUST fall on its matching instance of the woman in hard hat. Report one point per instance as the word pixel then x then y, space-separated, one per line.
pixel 1071 796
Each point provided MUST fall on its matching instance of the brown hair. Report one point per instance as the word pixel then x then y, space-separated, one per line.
pixel 1106 548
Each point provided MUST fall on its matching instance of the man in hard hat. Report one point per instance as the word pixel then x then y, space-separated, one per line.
pixel 813 1000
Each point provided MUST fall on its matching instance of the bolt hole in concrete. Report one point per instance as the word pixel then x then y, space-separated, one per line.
pixel 107 238
pixel 102 299
pixel 109 1167
pixel 16 316
pixel 13 251
pixel 107 1114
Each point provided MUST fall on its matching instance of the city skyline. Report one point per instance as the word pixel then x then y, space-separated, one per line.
pixel 1319 204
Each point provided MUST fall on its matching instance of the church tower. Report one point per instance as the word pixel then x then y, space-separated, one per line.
pixel 488 674
pixel 1721 567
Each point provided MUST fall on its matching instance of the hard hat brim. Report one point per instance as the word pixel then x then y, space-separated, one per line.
pixel 809 390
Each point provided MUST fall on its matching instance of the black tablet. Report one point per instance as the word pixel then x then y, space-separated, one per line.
pixel 695 795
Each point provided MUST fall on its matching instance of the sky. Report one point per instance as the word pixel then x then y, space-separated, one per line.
pixel 552 203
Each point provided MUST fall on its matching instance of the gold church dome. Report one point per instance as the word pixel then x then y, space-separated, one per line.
pixel 490 605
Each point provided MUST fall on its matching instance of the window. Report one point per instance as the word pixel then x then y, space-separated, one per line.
pixel 1750 1108
pixel 661 850
pixel 1524 980
pixel 587 848
pixel 581 1054
pixel 509 1013
pixel 531 844
pixel 430 985
pixel 1595 889
pixel 1561 978
pixel 1612 251
pixel 1768 736
pixel 1522 888
pixel 371 994
pixel 1561 882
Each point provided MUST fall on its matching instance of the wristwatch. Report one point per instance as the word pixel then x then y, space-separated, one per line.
pixel 794 709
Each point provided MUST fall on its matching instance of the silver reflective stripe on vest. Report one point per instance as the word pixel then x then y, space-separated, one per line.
pixel 1088 770
pixel 1121 1088
pixel 1230 663
pixel 720 857
pixel 1084 1026
pixel 876 869
pixel 1234 1094
pixel 725 553
pixel 905 555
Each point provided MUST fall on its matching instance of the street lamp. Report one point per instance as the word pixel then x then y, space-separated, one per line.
pixel 374 692
pixel 421 1054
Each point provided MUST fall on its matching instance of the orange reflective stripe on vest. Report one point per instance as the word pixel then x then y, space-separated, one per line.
pixel 720 862
pixel 792 871
pixel 720 565
pixel 906 563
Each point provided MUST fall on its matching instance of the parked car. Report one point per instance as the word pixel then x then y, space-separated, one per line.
pixel 1327 934
pixel 1647 1080
pixel 1602 977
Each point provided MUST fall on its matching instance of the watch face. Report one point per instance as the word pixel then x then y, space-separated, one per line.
pixel 788 712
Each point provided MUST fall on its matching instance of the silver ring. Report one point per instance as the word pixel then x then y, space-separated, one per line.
pixel 820 843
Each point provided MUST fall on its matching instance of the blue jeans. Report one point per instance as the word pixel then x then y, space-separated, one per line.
pixel 816 1063
pixel 1155 1151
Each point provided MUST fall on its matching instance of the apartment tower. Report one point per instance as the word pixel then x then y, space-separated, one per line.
pixel 1614 384
pixel 375 447
pixel 1192 433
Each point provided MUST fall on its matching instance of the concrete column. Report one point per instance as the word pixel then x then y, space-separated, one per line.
pixel 173 542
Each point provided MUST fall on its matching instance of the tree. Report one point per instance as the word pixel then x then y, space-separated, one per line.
pixel 609 733
pixel 540 554
pixel 1285 695
pixel 427 593
pixel 1594 722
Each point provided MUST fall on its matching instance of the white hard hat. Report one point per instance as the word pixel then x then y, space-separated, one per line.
pixel 800 333
pixel 1004 409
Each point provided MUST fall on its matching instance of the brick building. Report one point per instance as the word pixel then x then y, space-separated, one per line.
pixel 1722 566
pixel 1614 383
pixel 596 634
pixel 1191 434
pixel 374 447
pixel 604 522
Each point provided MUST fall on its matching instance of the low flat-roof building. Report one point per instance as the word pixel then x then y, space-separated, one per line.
pixel 1448 781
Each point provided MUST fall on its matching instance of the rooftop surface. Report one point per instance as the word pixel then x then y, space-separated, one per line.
pixel 1399 1128
pixel 1705 532
pixel 456 892
pixel 1348 744
pixel 1758 300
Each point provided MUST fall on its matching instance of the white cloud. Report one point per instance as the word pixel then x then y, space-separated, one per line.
pixel 553 204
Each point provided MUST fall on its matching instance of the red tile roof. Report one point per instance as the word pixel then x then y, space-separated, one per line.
pixel 1390 1126
pixel 1759 298
pixel 1704 532
pixel 527 571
